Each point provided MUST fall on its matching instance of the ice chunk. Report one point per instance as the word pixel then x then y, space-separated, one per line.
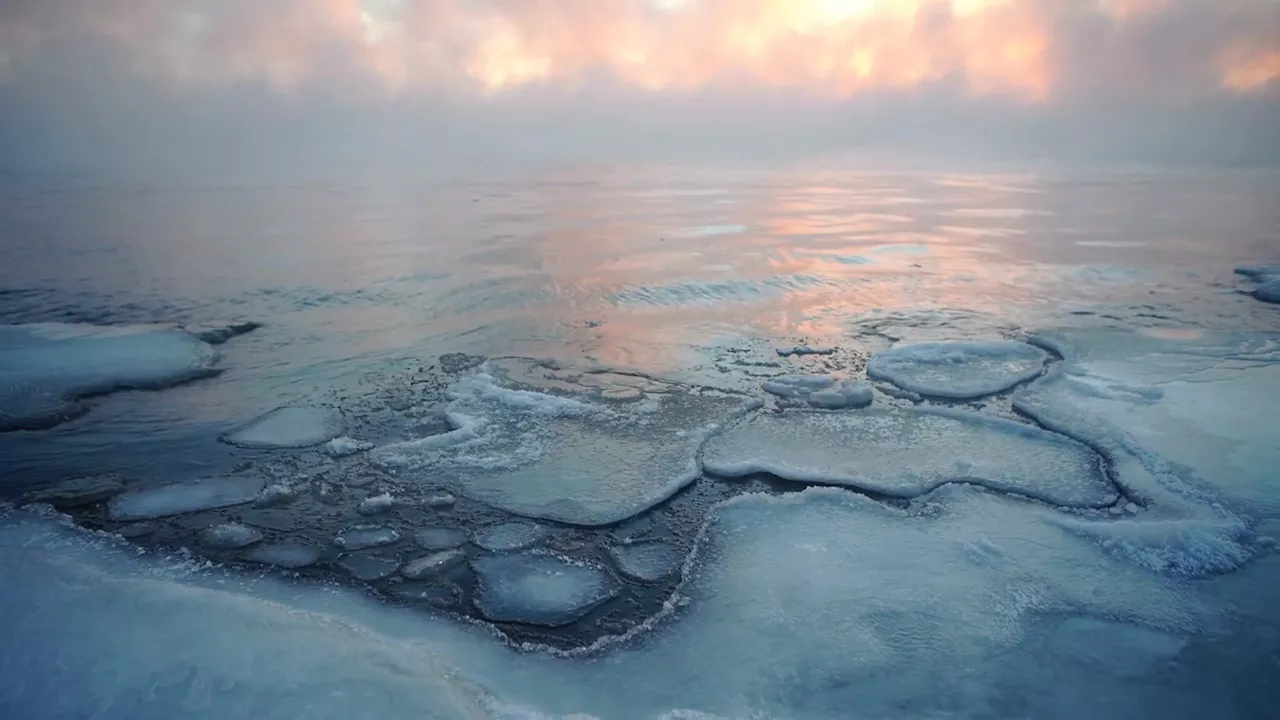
pixel 850 394
pixel 344 446
pixel 647 561
pixel 560 458
pixel 1261 273
pixel 362 537
pixel 289 554
pixel 908 452
pixel 229 536
pixel 194 496
pixel 539 589
pixel 440 538
pixel 432 565
pixel 505 537
pixel 1268 292
pixel 797 386
pixel 442 500
pixel 377 505
pixel 287 427
pixel 219 334
pixel 368 567
pixel 804 350
pixel 459 362
pixel 46 368
pixel 958 370
pixel 77 491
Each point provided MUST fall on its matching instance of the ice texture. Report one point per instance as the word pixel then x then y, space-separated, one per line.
pixel 908 452
pixel 432 565
pixel 287 427
pixel 850 394
pixel 647 561
pixel 377 504
pixel 368 566
pixel 797 386
pixel 1268 292
pixel 288 554
pixel 505 537
pixel 344 446
pixel 539 589
pixel 46 368
pixel 188 497
pixel 804 350
pixel 440 538
pixel 229 536
pixel 362 537
pixel 561 458
pixel 958 370
pixel 76 492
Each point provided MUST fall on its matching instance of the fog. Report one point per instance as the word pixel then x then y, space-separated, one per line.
pixel 181 85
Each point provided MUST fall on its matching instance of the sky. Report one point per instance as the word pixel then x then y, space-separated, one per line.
pixel 176 82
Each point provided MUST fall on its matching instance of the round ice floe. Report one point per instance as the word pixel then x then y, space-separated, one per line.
pixel 361 537
pixel 505 537
pixel 647 561
pixel 229 536
pixel 45 368
pixel 195 496
pixel 344 446
pixel 797 386
pixel 908 452
pixel 440 538
pixel 958 370
pixel 433 565
pixel 850 394
pixel 289 554
pixel 368 566
pixel 539 589
pixel 287 427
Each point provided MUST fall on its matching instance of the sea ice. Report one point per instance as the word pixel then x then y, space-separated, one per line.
pixel 287 427
pixel 432 565
pixel 508 536
pixel 194 496
pixel 958 370
pixel 362 537
pixel 219 334
pixel 804 350
pixel 289 554
pixel 850 394
pixel 440 538
pixel 45 369
pixel 539 589
pixel 647 561
pixel 797 386
pixel 1268 292
pixel 229 536
pixel 908 452
pixel 1261 273
pixel 376 505
pixel 77 492
pixel 367 566
pixel 560 458
pixel 344 446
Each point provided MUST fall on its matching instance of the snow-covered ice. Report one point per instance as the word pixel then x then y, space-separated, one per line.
pixel 188 497
pixel 343 446
pixel 958 370
pixel 229 536
pixel 563 458
pixel 433 565
pixel 377 504
pixel 440 538
pixel 288 554
pixel 539 589
pixel 908 452
pixel 287 427
pixel 647 561
pixel 362 537
pixel 508 536
pixel 46 368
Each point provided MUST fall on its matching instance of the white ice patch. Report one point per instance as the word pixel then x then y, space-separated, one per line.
pixel 958 370
pixel 344 446
pixel 539 589
pixel 433 565
pixel 287 427
pixel 45 368
pixel 229 536
pixel 559 458
pixel 189 497
pixel 908 452
pixel 850 394
pixel 647 561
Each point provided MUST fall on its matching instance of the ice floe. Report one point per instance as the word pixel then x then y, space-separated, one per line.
pixel 505 537
pixel 229 536
pixel 287 427
pixel 377 504
pixel 368 566
pixel 1268 292
pixel 539 589
pixel 188 497
pixel 797 386
pixel 433 565
pixel 288 554
pixel 850 394
pixel 908 452
pixel 344 446
pixel 562 458
pixel 958 370
pixel 800 350
pixel 362 537
pixel 77 492
pixel 647 561
pixel 46 368
pixel 440 538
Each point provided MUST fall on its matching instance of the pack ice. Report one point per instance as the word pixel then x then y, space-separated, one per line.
pixel 908 452
pixel 46 368
pixel 958 370
pixel 568 459
pixel 290 427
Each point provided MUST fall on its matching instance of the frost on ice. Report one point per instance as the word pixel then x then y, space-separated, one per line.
pixel 909 452
pixel 194 496
pixel 287 427
pixel 567 459
pixel 46 368
pixel 958 370
pixel 539 589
